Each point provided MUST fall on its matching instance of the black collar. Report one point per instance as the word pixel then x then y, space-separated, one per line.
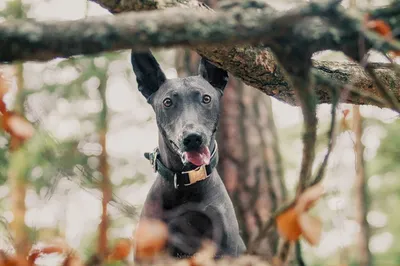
pixel 185 178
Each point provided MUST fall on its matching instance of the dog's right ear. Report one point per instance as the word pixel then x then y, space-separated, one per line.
pixel 149 75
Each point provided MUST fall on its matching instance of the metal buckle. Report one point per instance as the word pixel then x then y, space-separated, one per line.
pixel 195 175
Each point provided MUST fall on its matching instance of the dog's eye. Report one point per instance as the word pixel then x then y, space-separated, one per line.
pixel 167 102
pixel 206 99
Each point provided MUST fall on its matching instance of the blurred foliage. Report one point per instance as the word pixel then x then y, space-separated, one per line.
pixel 46 159
pixel 388 155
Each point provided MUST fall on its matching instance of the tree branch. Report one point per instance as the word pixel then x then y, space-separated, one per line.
pixel 211 34
pixel 36 40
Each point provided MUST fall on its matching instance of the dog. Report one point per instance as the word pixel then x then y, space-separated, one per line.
pixel 188 194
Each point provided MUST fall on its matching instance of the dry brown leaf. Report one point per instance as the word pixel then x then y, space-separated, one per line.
pixel 288 226
pixel 150 238
pixel 121 250
pixel 311 228
pixel 309 198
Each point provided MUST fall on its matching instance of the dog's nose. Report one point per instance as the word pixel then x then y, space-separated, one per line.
pixel 192 141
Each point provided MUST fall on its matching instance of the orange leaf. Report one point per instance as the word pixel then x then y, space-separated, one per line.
pixel 309 198
pixel 19 127
pixel 150 238
pixel 380 27
pixel 121 250
pixel 288 226
pixel 311 228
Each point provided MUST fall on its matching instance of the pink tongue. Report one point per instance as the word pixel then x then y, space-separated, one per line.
pixel 200 157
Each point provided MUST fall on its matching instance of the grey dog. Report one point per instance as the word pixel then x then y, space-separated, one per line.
pixel 188 193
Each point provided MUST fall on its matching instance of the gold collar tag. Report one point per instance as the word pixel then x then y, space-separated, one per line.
pixel 196 175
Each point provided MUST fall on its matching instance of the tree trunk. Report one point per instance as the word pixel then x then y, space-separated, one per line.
pixel 250 162
pixel 361 193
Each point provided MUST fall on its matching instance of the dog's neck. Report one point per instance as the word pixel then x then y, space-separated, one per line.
pixel 170 158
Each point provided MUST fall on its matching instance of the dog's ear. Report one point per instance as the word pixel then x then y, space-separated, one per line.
pixel 216 76
pixel 149 75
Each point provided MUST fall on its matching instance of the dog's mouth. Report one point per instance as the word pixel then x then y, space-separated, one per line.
pixel 199 157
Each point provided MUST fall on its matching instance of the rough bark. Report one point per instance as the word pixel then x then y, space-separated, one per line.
pixel 361 193
pixel 256 66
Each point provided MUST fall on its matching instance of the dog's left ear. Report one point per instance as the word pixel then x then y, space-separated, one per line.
pixel 216 76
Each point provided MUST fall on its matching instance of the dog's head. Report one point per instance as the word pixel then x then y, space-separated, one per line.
pixel 187 109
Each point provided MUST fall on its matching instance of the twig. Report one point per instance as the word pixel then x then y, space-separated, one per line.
pixel 299 256
pixel 284 251
pixel 308 105
pixel 104 169
pixel 267 227
pixel 331 137
pixel 395 66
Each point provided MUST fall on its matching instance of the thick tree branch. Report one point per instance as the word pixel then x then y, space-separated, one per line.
pixel 256 66
pixel 34 40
